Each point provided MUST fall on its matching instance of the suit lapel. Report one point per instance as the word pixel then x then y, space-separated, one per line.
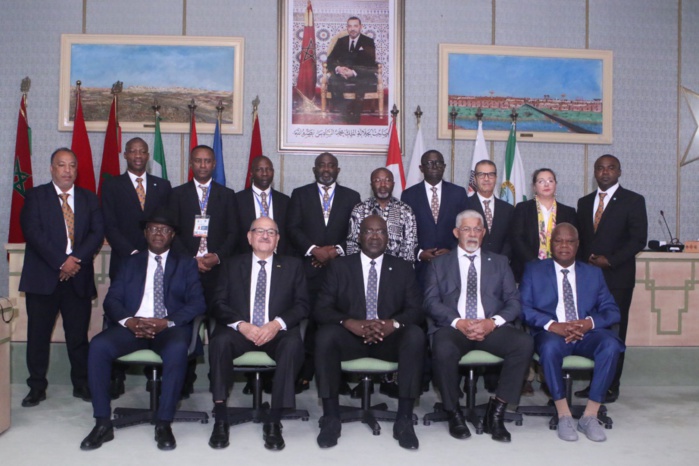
pixel 582 298
pixel 245 275
pixel 151 190
pixel 139 272
pixel 357 275
pixel 276 269
pixel 169 272
pixel 129 190
pixel 612 206
pixel 80 215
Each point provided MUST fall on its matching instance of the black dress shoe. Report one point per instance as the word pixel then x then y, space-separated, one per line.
pixel 330 430
pixel 83 393
pixel 219 436
pixel 356 392
pixel 494 421
pixel 612 395
pixel 404 432
pixel 34 397
pixel 389 389
pixel 116 388
pixel 457 425
pixel 272 435
pixel 97 437
pixel 584 393
pixel 165 437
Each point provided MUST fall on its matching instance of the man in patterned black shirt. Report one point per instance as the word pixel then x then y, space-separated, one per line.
pixel 402 228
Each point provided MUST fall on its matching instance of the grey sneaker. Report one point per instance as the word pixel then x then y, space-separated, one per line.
pixel 592 429
pixel 566 429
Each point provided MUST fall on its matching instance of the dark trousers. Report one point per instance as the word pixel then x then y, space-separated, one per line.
pixel 286 348
pixel 335 344
pixel 171 345
pixel 506 342
pixel 42 311
pixel 601 345
pixel 623 297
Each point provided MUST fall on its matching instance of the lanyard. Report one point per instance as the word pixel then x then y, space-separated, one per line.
pixel 203 203
pixel 326 205
pixel 259 203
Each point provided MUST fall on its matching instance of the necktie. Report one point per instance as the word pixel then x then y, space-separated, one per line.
pixel 568 301
pixel 141 193
pixel 205 201
pixel 472 290
pixel 258 309
pixel 326 202
pixel 488 214
pixel 371 293
pixel 159 311
pixel 600 210
pixel 352 45
pixel 69 218
pixel 434 205
pixel 265 206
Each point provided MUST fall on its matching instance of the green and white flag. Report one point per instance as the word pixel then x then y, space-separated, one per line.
pixel 514 188
pixel 159 165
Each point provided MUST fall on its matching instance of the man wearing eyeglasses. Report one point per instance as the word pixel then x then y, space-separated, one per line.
pixel 260 300
pixel 496 212
pixel 472 299
pixel 150 305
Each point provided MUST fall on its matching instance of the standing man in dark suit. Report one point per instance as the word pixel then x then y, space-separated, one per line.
pixel 369 307
pixel 128 200
pixel 64 230
pixel 436 203
pixel 352 64
pixel 496 212
pixel 319 216
pixel 472 300
pixel 613 229
pixel 261 200
pixel 260 300
pixel 150 305
pixel 569 311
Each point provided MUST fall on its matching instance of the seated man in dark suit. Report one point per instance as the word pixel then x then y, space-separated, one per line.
pixel 369 307
pixel 472 299
pixel 569 309
pixel 260 300
pixel 150 305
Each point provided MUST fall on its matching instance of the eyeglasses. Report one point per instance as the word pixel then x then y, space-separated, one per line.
pixel 162 230
pixel 371 232
pixel 136 152
pixel 468 230
pixel 482 175
pixel 434 164
pixel 261 231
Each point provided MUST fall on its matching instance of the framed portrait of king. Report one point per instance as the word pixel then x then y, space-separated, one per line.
pixel 340 74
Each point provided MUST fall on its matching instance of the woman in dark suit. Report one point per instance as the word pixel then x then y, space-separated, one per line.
pixel 533 221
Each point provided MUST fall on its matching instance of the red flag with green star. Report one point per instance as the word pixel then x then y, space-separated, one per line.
pixel 22 180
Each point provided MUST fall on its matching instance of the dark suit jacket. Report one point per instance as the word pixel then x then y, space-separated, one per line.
pixel 622 233
pixel 184 297
pixel 343 295
pixel 498 290
pixel 496 240
pixel 288 294
pixel 123 215
pixel 223 226
pixel 246 215
pixel 306 224
pixel 539 294
pixel 524 233
pixel 45 233
pixel 362 60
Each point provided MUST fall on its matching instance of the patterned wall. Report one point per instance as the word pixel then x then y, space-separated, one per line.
pixel 651 125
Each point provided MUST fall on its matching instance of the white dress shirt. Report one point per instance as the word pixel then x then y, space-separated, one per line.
pixel 256 192
pixel 146 309
pixel 560 307
pixel 71 203
pixel 607 199
pixel 464 264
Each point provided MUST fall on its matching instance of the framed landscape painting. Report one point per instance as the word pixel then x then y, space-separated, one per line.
pixel 172 69
pixel 560 95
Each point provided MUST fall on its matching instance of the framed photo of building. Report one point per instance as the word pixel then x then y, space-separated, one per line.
pixel 340 74
pixel 560 95
pixel 172 69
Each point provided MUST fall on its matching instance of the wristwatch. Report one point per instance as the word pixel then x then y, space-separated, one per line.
pixel 396 324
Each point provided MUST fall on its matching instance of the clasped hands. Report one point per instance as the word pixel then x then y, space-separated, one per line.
pixel 476 329
pixel 146 327
pixel 260 335
pixel 322 255
pixel 207 262
pixel 345 72
pixel 372 331
pixel 599 261
pixel 69 268
pixel 572 331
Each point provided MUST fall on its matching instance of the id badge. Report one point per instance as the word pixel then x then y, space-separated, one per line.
pixel 201 226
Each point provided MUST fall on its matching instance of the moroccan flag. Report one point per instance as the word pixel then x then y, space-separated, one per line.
pixel 414 175
pixel 220 170
pixel 159 165
pixel 480 152
pixel 81 147
pixel 193 141
pixel 394 162
pixel 112 147
pixel 23 172
pixel 306 83
pixel 255 148
pixel 514 188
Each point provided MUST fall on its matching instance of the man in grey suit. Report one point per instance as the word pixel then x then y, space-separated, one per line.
pixel 472 300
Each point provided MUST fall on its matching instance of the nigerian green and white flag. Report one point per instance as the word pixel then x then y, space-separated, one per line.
pixel 159 165
pixel 514 188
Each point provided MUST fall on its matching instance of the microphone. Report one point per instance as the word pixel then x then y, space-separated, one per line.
pixel 673 246
pixel 672 240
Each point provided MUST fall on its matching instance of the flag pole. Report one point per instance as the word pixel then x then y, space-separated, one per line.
pixel 184 161
pixel 453 115
pixel 117 87
pixel 418 115
pixel 78 83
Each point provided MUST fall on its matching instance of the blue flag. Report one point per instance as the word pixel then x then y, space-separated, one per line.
pixel 220 170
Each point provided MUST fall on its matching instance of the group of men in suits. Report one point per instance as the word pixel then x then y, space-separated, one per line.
pixel 173 260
